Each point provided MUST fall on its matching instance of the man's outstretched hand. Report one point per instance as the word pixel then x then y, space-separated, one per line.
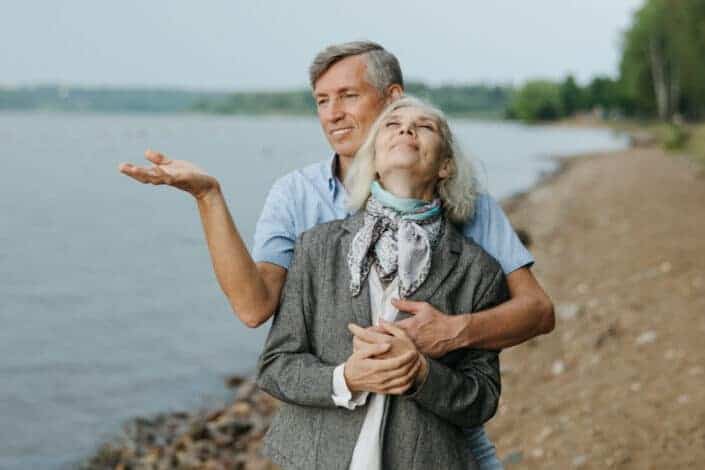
pixel 177 173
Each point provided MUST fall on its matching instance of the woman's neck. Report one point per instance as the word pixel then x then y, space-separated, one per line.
pixel 401 185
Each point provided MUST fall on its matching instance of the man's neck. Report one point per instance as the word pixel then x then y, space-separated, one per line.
pixel 341 169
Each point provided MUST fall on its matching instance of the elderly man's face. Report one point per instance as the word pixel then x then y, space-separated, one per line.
pixel 347 104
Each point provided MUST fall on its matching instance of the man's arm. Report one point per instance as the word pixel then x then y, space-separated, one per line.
pixel 528 313
pixel 253 289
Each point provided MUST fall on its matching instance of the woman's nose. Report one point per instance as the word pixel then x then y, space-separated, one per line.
pixel 406 129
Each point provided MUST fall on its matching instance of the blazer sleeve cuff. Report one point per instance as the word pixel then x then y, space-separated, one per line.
pixel 426 391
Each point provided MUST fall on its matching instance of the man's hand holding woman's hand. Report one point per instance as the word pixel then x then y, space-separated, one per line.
pixel 384 360
pixel 177 173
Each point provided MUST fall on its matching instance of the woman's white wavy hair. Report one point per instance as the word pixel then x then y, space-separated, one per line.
pixel 457 191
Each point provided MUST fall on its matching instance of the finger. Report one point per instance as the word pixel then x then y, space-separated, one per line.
pixel 382 365
pixel 123 167
pixel 367 335
pixel 406 324
pixel 397 391
pixel 382 379
pixel 156 157
pixel 406 368
pixel 126 168
pixel 393 330
pixel 359 343
pixel 367 352
pixel 135 172
pixel 405 381
pixel 152 176
pixel 163 175
pixel 408 306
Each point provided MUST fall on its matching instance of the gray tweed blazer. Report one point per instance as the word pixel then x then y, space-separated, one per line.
pixel 309 338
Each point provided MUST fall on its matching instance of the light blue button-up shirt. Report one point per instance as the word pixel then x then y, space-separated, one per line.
pixel 313 195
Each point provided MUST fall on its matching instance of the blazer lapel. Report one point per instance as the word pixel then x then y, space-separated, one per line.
pixel 443 261
pixel 362 311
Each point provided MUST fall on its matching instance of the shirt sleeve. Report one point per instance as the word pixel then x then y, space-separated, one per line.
pixel 342 396
pixel 490 228
pixel 275 233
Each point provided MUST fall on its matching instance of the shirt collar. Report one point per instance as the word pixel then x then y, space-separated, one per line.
pixel 330 173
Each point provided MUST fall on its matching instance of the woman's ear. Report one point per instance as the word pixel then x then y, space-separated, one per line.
pixel 444 170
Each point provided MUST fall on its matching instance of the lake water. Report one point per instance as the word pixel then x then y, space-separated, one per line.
pixel 108 305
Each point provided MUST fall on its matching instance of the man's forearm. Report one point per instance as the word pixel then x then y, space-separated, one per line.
pixel 527 314
pixel 503 326
pixel 236 271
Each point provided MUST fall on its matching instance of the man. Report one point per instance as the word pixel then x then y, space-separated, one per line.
pixel 351 84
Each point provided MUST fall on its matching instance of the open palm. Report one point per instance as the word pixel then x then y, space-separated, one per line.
pixel 177 173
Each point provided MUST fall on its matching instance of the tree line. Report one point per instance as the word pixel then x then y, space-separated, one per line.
pixel 661 72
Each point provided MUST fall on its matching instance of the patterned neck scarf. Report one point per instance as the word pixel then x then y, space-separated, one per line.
pixel 397 238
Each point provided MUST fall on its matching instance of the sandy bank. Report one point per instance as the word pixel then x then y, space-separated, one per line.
pixel 619 241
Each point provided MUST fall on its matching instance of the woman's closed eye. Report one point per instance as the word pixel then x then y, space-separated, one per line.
pixel 391 124
pixel 426 125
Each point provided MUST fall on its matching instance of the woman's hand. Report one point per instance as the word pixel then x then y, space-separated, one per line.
pixel 392 370
pixel 177 173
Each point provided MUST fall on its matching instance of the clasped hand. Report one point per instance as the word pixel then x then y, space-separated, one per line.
pixel 384 360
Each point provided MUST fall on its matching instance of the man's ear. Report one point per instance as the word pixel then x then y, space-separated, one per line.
pixel 394 92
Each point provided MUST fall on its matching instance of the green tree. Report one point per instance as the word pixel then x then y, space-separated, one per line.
pixel 571 96
pixel 663 59
pixel 537 100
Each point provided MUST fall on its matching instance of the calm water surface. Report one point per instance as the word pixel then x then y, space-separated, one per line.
pixel 108 305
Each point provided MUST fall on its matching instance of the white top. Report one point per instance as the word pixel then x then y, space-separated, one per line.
pixel 367 454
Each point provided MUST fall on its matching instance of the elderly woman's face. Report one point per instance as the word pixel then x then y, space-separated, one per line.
pixel 410 140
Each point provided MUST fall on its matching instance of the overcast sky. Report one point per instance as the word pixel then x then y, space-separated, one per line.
pixel 238 45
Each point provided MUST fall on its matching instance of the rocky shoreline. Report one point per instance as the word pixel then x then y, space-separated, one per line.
pixel 227 438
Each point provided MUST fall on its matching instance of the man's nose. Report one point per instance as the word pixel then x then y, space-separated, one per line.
pixel 335 110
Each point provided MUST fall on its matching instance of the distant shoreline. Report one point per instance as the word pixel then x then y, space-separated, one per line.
pixel 457 100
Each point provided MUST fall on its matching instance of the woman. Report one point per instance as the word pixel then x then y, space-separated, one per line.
pixel 410 185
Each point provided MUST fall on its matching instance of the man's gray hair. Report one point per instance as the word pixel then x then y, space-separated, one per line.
pixel 383 67
pixel 457 192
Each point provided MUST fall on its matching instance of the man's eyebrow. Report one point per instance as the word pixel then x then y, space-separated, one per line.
pixel 337 91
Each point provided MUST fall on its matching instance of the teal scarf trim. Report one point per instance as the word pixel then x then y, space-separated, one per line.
pixel 408 208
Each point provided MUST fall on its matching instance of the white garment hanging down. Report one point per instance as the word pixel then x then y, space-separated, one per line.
pixel 367 454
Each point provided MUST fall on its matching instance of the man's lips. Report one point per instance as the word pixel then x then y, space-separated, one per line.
pixel 340 132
